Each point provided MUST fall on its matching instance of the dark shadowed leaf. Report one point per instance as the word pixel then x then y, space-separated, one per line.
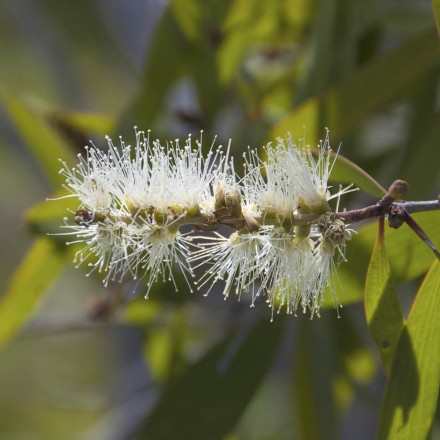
pixel 436 8
pixel 209 398
pixel 330 359
pixel 368 89
pixel 347 105
pixel 419 163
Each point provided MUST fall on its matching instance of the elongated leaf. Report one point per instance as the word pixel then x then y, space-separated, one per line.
pixel 436 9
pixel 209 398
pixel 368 89
pixel 168 55
pixel 46 216
pixel 44 143
pixel 419 162
pixel 345 106
pixel 408 256
pixel 178 50
pixel 382 307
pixel 248 23
pixel 312 384
pixel 345 171
pixel 188 14
pixel 86 122
pixel 330 360
pixel 29 283
pixel 412 391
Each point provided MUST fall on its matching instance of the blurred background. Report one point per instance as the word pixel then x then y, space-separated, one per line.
pixel 96 363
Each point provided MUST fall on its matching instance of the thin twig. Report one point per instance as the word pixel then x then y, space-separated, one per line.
pixel 357 215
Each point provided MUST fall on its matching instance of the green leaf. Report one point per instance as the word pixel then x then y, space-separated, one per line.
pixel 28 284
pixel 247 24
pixel 344 107
pixel 330 361
pixel 44 143
pixel 421 147
pixel 46 216
pixel 345 171
pixel 167 61
pixel 209 398
pixel 408 256
pixel 436 9
pixel 173 54
pixel 188 14
pixel 382 306
pixel 202 63
pixel 86 122
pixel 412 391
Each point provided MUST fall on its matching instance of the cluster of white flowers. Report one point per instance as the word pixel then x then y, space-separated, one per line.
pixel 134 202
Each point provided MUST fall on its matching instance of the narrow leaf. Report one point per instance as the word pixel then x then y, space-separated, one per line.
pixel 314 372
pixel 345 171
pixel 29 283
pixel 373 86
pixel 209 398
pixel 344 107
pixel 412 391
pixel 408 256
pixel 163 67
pixel 419 150
pixel 436 9
pixel 44 143
pixel 187 14
pixel 85 122
pixel 382 307
pixel 47 215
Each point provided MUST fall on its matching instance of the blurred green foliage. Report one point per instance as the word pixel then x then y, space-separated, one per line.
pixel 109 365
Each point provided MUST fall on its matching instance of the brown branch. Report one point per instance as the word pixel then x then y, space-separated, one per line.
pixel 393 209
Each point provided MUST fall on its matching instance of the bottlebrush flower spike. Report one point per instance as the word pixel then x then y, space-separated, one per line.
pixel 134 201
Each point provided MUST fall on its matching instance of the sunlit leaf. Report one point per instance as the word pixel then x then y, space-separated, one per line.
pixel 44 143
pixel 188 14
pixel 208 399
pixel 140 312
pixel 88 123
pixel 412 391
pixel 39 268
pixel 409 257
pixel 382 306
pixel 241 34
pixel 331 358
pixel 47 216
pixel 249 24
